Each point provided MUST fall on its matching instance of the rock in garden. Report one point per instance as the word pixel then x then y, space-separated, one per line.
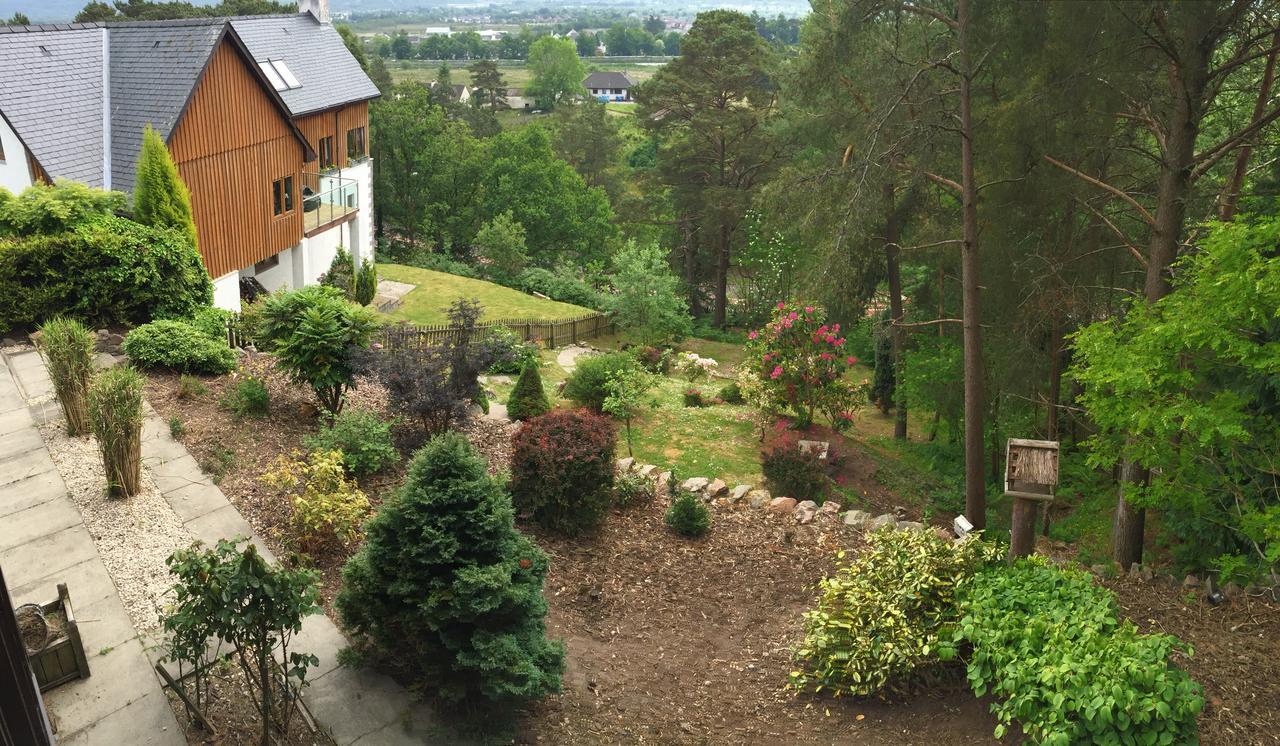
pixel 7 342
pixel 1232 590
pixel 881 521
pixel 1135 568
pixel 830 507
pixel 942 533
pixel 804 513
pixel 856 517
pixel 820 447
pixel 782 505
pixel 716 487
pixel 662 484
pixel 807 505
pixel 1191 581
pixel 758 498
pixel 739 492
pixel 624 464
pixel 911 526
pixel 694 484
pixel 647 470
pixel 1146 574
pixel 900 512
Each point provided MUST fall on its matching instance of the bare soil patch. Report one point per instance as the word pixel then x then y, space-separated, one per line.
pixel 231 710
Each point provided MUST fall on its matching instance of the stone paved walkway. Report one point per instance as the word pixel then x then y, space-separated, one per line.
pixel 45 542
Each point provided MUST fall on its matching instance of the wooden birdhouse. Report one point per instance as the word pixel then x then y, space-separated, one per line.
pixel 1031 468
pixel 1030 478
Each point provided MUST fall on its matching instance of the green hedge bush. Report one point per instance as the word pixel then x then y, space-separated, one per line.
pixel 362 437
pixel 107 270
pixel 883 616
pixel 587 385
pixel 180 346
pixel 1048 642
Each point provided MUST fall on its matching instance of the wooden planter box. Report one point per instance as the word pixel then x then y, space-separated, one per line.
pixel 62 658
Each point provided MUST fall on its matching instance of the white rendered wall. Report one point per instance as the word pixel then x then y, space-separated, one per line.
pixel 14 173
pixel 319 252
pixel 277 277
pixel 226 291
pixel 360 238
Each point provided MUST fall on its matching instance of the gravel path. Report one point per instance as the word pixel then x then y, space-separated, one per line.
pixel 568 357
pixel 134 536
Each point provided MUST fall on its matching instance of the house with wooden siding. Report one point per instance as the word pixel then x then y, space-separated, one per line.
pixel 267 118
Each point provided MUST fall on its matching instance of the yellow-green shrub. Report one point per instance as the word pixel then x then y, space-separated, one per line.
pixel 881 617
pixel 326 505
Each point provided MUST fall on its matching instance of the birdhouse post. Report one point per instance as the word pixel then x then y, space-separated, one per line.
pixel 1030 477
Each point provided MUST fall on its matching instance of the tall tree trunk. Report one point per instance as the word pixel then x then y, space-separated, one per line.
pixel 892 236
pixel 1230 196
pixel 1055 378
pixel 690 266
pixel 722 276
pixel 975 487
pixel 1187 80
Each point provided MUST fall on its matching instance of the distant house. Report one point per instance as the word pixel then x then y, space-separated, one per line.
pixel 266 118
pixel 609 86
pixel 437 31
pixel 491 34
pixel 459 92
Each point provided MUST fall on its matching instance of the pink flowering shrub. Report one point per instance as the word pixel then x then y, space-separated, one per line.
pixel 802 361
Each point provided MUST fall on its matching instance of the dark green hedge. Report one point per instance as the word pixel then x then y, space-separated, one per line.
pixel 108 270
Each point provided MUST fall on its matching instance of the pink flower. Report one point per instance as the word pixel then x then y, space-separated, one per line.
pixel 851 360
pixel 835 328
pixel 768 356
pixel 822 329
pixel 827 356
pixel 781 305
pixel 831 339
pixel 808 309
pixel 753 335
pixel 793 316
pixel 777 371
pixel 839 342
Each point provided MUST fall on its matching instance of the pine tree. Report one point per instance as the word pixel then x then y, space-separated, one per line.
pixel 447 586
pixel 528 398
pixel 160 197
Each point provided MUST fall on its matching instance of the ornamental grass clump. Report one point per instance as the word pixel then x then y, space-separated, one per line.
pixel 68 346
pixel 115 416
pixel 447 588
pixel 882 617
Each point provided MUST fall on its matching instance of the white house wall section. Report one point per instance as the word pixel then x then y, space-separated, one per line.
pixel 226 291
pixel 360 229
pixel 319 251
pixel 15 175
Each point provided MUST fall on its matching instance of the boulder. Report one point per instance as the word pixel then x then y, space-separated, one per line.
pixel 830 507
pixel 807 505
pixel 716 487
pixel 1191 581
pixel 758 498
pixel 943 533
pixel 739 492
pixel 782 505
pixel 647 470
pixel 856 518
pixel 821 447
pixel 694 484
pixel 625 464
pixel 805 514
pixel 662 485
pixel 881 521
pixel 911 526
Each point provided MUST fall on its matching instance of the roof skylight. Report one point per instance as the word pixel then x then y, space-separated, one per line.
pixel 281 77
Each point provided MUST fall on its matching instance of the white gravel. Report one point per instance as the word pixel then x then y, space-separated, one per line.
pixel 134 535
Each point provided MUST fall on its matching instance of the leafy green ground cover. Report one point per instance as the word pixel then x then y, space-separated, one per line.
pixel 426 304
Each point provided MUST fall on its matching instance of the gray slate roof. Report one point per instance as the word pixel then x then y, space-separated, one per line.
pixel 607 79
pixel 51 82
pixel 315 54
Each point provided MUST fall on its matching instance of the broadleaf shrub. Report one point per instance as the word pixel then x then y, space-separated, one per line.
pixel 247 397
pixel 1048 643
pixel 688 516
pixel 106 270
pixel 418 384
pixel 179 346
pixel 341 273
pixel 630 488
pixel 587 386
pixel 326 504
pixel 882 617
pixel 562 286
pixel 507 352
pixel 446 585
pixel 693 398
pixel 528 399
pixel 730 393
pixel 562 469
pixel 363 439
pixel 55 208
pixel 793 472
pixel 801 360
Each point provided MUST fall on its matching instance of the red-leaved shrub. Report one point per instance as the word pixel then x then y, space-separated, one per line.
pixel 562 469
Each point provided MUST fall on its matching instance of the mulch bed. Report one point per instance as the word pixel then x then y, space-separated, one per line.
pixel 231 710
pixel 688 642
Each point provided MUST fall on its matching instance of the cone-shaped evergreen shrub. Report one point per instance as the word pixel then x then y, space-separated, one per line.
pixel 68 346
pixel 687 515
pixel 446 585
pixel 160 196
pixel 366 282
pixel 528 398
pixel 562 469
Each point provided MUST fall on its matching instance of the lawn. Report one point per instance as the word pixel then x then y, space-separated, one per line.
pixel 427 303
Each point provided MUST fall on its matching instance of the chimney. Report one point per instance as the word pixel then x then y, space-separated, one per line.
pixel 319 9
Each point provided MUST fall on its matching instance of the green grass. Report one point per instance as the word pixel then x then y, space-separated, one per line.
pixel 427 303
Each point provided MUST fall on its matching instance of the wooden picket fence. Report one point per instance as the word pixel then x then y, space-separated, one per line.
pixel 549 334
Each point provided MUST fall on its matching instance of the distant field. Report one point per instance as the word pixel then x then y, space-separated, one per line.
pixel 427 303
pixel 517 76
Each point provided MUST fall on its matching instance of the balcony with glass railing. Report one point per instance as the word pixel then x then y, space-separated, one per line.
pixel 327 199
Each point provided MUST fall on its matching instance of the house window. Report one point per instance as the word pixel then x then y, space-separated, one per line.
pixel 355 143
pixel 282 195
pixel 266 264
pixel 325 151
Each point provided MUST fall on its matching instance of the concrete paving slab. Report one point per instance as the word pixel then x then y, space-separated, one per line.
pixel 103 624
pixel 45 412
pixel 154 427
pixel 320 636
pixel 29 464
pixel 47 555
pixel 37 521
pixel 226 523
pixel 353 703
pixel 178 473
pixel 87 582
pixel 196 500
pixel 160 450
pixel 16 420
pixel 21 441
pixel 118 676
pixel 32 491
pixel 146 722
